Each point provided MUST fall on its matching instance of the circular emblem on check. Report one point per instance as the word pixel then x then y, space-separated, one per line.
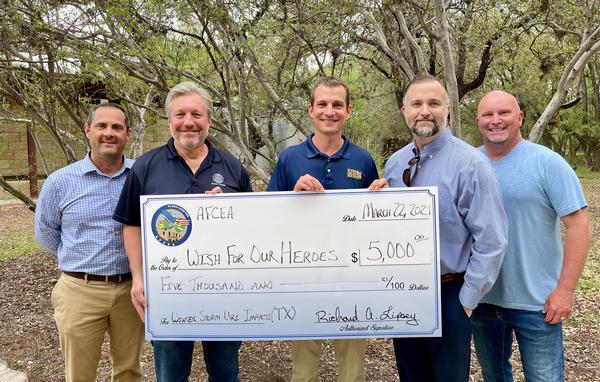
pixel 171 225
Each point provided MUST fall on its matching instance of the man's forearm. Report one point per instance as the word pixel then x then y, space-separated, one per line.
pixel 577 243
pixel 133 249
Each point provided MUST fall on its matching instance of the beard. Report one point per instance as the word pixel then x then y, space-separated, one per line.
pixel 427 130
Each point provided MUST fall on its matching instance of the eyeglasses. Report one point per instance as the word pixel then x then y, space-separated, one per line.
pixel 406 175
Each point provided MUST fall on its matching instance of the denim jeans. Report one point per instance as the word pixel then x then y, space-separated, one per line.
pixel 540 344
pixel 173 360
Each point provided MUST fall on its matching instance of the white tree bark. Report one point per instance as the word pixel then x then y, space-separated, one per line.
pixel 393 53
pixel 137 148
pixel 449 71
pixel 421 67
pixel 588 48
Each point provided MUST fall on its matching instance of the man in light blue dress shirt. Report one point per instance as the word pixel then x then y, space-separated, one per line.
pixel 473 229
pixel 73 221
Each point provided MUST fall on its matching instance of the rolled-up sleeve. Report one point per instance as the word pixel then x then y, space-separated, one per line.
pixel 486 220
pixel 48 217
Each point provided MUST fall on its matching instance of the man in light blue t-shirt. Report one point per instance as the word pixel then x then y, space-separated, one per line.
pixel 534 290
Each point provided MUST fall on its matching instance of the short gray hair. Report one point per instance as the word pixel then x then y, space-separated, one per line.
pixel 185 88
pixel 90 117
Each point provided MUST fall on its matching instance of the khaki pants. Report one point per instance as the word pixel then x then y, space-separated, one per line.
pixel 84 311
pixel 350 356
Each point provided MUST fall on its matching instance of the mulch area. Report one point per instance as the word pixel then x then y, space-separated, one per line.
pixel 29 342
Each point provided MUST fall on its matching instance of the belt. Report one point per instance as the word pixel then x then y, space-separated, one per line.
pixel 452 277
pixel 106 279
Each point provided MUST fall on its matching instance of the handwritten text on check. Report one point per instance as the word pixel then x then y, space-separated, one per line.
pixel 256 266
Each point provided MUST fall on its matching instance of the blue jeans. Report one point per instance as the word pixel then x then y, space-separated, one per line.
pixel 540 344
pixel 173 360
pixel 440 359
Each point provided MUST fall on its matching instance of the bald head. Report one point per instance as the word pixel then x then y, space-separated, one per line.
pixel 499 119
pixel 499 96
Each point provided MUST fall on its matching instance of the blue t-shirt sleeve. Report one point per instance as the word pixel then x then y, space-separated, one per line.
pixel 562 186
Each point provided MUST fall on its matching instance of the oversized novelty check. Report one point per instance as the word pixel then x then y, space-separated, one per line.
pixel 284 265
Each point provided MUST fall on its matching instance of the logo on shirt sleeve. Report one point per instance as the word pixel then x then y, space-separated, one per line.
pixel 171 225
pixel 354 174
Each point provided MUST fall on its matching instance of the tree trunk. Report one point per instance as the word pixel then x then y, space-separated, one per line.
pixel 17 194
pixel 584 97
pixel 596 90
pixel 586 50
pixel 449 72
pixel 594 154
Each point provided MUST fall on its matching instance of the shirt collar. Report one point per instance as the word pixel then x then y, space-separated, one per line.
pixel 436 144
pixel 88 166
pixel 213 155
pixel 312 151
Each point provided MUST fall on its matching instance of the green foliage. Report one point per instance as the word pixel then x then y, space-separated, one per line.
pixel 376 123
pixel 165 225
pixel 16 245
pixel 588 177
pixel 260 59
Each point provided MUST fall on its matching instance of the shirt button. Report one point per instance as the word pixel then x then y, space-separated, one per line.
pixel 430 156
pixel 328 170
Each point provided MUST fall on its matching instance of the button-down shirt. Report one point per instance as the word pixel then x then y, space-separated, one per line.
pixel 473 225
pixel 73 219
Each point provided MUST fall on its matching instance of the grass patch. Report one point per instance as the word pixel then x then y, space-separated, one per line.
pixel 587 176
pixel 17 245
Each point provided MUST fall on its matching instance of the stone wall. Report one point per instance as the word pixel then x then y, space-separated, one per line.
pixel 13 147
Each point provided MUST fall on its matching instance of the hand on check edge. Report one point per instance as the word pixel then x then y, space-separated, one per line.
pixel 308 183
pixel 378 184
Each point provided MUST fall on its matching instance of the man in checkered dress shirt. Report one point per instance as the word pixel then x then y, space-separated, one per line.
pixel 74 223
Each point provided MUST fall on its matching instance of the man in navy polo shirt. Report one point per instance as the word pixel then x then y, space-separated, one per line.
pixel 187 164
pixel 326 160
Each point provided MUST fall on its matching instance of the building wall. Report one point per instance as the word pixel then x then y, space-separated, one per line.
pixel 13 147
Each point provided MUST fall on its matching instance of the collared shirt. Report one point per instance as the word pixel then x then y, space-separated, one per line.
pixel 73 219
pixel 349 167
pixel 473 225
pixel 163 171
